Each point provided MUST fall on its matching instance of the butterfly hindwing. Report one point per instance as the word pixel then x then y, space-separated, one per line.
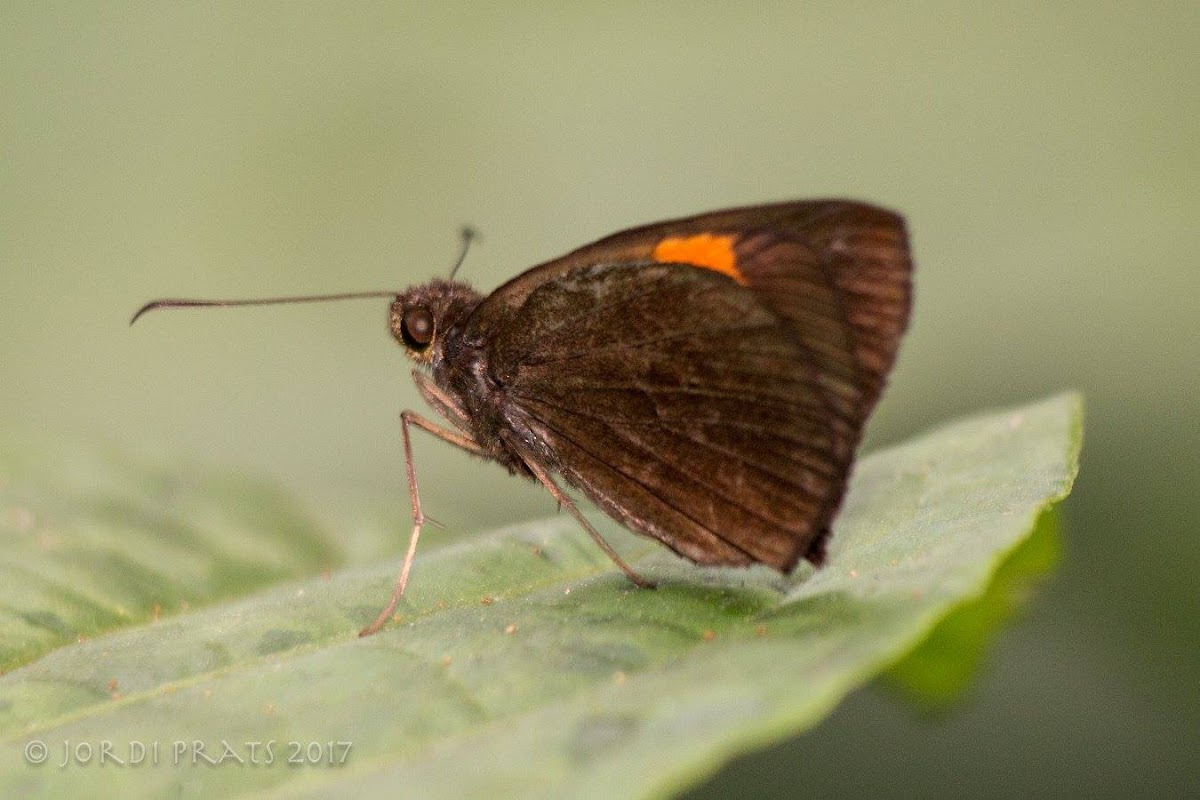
pixel 701 427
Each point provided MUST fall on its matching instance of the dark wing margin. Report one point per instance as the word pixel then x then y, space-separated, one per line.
pixel 716 416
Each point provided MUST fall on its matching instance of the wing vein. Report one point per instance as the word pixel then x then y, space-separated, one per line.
pixel 816 467
pixel 649 489
pixel 558 358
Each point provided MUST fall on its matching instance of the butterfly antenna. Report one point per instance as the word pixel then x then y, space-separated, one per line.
pixel 469 234
pixel 178 302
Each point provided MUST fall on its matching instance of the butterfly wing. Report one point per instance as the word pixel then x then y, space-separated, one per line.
pixel 705 381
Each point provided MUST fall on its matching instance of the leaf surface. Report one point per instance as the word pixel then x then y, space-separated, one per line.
pixel 524 664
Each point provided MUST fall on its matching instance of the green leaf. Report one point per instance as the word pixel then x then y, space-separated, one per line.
pixel 95 541
pixel 524 664
pixel 939 671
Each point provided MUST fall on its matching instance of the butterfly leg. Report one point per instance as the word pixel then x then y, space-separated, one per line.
pixel 565 501
pixel 407 420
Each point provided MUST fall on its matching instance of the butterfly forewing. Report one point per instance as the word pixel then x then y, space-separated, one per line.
pixel 705 381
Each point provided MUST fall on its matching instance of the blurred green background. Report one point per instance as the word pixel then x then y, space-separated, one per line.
pixel 1047 157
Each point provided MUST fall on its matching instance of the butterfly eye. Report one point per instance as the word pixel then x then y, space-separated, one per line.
pixel 417 328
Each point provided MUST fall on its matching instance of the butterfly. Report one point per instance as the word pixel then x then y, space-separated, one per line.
pixel 704 381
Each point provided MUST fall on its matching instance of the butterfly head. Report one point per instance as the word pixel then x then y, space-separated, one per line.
pixel 421 315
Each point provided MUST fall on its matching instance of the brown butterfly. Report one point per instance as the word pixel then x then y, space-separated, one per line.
pixel 705 381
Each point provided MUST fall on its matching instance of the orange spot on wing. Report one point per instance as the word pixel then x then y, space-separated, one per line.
pixel 703 250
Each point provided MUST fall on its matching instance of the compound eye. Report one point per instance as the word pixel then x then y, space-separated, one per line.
pixel 417 328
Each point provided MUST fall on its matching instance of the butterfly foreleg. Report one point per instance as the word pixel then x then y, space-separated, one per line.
pixel 408 419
